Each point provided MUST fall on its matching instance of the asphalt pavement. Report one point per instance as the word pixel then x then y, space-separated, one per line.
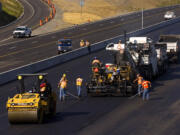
pixel 34 10
pixel 105 115
pixel 18 52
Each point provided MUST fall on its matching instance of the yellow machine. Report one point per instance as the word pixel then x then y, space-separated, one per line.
pixel 32 104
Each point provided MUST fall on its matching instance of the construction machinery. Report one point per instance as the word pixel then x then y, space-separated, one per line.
pixel 171 42
pixel 162 57
pixel 145 57
pixel 33 102
pixel 114 78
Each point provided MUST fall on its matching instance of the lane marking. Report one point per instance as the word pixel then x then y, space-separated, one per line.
pixel 112 22
pixel 12 47
pixel 23 50
pixel 77 36
pixel 35 42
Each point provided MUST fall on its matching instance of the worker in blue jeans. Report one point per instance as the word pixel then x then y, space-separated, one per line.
pixel 79 85
pixel 139 79
pixel 62 86
pixel 146 85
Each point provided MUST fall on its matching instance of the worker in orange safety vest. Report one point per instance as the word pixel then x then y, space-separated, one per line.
pixel 146 85
pixel 62 85
pixel 139 80
pixel 79 81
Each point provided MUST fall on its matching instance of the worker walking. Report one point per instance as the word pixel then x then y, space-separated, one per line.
pixel 82 44
pixel 79 85
pixel 62 85
pixel 139 80
pixel 146 85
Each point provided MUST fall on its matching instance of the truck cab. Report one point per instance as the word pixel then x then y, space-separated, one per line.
pixel 64 45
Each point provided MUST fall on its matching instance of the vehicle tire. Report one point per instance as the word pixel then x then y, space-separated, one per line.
pixel 40 116
pixel 29 35
pixel 14 36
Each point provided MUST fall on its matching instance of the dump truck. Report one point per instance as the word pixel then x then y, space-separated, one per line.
pixel 162 57
pixel 32 102
pixel 114 78
pixel 172 45
pixel 144 56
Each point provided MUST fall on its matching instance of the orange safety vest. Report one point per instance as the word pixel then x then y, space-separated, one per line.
pixel 79 81
pixel 145 84
pixel 140 80
pixel 63 84
pixel 96 70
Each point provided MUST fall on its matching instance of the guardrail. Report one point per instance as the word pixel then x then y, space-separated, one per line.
pixel 10 75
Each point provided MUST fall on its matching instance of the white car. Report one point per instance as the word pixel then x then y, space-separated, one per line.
pixel 114 47
pixel 169 15
pixel 22 31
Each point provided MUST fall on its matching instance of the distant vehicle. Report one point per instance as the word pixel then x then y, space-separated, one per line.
pixel 114 47
pixel 64 45
pixel 22 31
pixel 140 40
pixel 169 15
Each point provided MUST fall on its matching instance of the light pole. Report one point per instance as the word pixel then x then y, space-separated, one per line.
pixel 142 14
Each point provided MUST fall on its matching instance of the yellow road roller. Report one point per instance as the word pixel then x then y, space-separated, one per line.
pixel 33 102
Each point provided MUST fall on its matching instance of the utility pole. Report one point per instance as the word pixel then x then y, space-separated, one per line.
pixel 142 18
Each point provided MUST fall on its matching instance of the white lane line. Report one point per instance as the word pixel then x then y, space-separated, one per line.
pixel 6 39
pixel 12 47
pixel 53 37
pixel 35 42
pixel 112 22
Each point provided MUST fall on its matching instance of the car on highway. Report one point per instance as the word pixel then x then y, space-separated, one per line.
pixel 22 31
pixel 169 15
pixel 114 47
pixel 64 45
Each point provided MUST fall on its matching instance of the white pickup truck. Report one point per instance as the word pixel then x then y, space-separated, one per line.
pixel 22 31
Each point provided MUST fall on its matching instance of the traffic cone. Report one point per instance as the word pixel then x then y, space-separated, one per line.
pixel 40 23
pixel 46 19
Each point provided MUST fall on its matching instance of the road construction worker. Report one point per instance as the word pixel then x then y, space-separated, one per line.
pixel 139 80
pixel 96 61
pixel 79 85
pixel 45 88
pixel 82 44
pixel 146 85
pixel 62 86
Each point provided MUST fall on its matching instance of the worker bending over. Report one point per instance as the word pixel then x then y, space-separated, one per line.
pixel 146 85
pixel 139 80
pixel 79 85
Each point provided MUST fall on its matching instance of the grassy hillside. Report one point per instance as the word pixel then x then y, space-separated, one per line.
pixel 11 10
pixel 98 9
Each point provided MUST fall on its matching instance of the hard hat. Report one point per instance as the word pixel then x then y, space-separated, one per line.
pixel 40 77
pixel 43 85
pixel 64 75
pixel 81 40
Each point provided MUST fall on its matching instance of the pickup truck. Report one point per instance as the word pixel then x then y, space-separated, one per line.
pixel 22 31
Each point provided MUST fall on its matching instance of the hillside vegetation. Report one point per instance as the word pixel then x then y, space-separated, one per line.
pixel 98 9
pixel 11 10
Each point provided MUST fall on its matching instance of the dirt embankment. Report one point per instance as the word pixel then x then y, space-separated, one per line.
pixel 94 10
pixel 11 10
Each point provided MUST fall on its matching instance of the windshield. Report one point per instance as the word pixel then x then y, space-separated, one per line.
pixel 28 96
pixel 21 29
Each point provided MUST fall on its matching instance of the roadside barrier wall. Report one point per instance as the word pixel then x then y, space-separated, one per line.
pixel 60 59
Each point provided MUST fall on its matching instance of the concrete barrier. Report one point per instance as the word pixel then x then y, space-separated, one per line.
pixel 60 59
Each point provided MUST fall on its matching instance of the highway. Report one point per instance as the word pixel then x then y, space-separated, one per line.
pixel 18 52
pixel 34 10
pixel 105 115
